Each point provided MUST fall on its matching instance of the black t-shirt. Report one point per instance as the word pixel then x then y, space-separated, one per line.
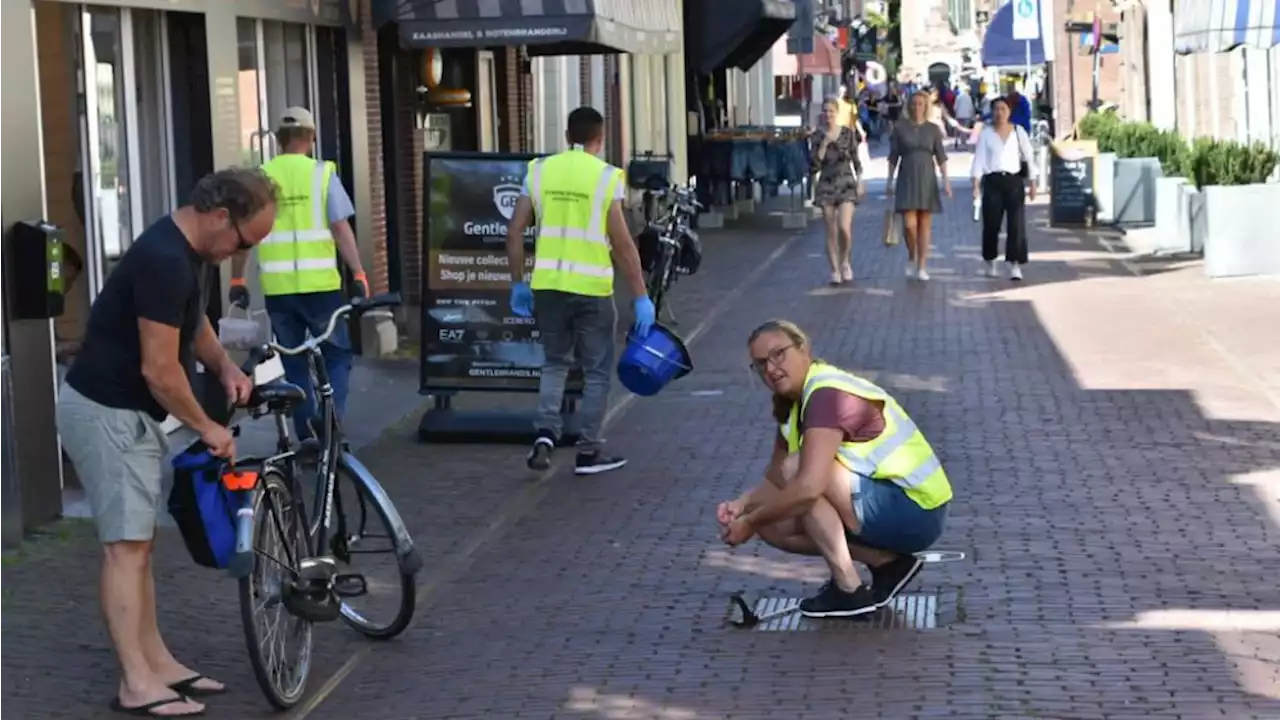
pixel 893 110
pixel 159 279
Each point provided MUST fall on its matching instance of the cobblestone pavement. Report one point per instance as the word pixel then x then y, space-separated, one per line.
pixel 1116 456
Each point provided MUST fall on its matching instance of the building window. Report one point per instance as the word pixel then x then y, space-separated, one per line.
pixel 960 13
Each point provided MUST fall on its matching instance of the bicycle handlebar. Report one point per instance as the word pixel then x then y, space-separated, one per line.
pixel 358 306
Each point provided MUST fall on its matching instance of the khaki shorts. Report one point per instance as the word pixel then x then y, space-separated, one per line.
pixel 119 457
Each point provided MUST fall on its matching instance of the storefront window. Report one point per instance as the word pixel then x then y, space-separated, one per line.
pixel 287 68
pixel 252 135
pixel 155 181
pixel 105 122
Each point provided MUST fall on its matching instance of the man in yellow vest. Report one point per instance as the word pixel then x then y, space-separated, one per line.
pixel 577 199
pixel 298 261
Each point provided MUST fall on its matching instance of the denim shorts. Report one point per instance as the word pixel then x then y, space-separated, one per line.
pixel 892 521
pixel 747 161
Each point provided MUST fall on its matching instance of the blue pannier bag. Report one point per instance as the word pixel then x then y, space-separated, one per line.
pixel 203 508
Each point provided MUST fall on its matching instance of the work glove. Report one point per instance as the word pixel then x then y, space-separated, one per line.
pixel 645 317
pixel 522 300
pixel 360 288
pixel 238 295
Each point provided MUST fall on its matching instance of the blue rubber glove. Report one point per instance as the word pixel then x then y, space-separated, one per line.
pixel 522 300
pixel 645 313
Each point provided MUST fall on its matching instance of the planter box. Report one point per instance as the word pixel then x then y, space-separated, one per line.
pixel 1172 231
pixel 1134 192
pixel 1104 175
pixel 1236 241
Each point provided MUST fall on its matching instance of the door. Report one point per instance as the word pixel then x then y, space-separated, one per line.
pixel 487 105
pixel 277 71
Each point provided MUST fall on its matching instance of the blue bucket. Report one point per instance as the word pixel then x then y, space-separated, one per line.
pixel 649 363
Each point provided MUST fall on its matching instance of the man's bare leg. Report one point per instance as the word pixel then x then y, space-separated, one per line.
pixel 123 587
pixel 159 659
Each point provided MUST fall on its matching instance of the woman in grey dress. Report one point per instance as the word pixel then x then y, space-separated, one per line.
pixel 915 148
pixel 834 150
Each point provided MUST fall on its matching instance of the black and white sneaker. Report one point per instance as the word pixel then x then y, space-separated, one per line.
pixel 540 455
pixel 831 601
pixel 596 462
pixel 889 579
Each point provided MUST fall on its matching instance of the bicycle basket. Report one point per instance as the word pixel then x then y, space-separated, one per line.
pixel 690 254
pixel 203 508
pixel 244 333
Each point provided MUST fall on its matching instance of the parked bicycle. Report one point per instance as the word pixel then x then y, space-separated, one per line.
pixel 669 247
pixel 310 549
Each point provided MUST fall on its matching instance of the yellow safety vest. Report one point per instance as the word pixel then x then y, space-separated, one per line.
pixel 299 256
pixel 571 193
pixel 899 455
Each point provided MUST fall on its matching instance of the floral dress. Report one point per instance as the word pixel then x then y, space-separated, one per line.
pixel 838 168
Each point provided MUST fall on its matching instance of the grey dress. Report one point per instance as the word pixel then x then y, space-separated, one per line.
pixel 916 149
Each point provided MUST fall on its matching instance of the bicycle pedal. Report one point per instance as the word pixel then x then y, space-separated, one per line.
pixel 350 585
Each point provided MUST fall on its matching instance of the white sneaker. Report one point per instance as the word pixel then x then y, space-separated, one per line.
pixel 911 272
pixel 922 275
pixel 990 269
pixel 1015 271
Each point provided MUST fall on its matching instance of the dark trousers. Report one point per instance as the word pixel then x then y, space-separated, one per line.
pixel 1004 198
pixel 293 319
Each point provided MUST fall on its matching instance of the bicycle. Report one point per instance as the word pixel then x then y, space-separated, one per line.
pixel 311 589
pixel 675 238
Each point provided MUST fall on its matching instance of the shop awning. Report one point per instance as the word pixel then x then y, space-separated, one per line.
pixel 547 27
pixel 733 33
pixel 1214 26
pixel 824 60
pixel 1000 50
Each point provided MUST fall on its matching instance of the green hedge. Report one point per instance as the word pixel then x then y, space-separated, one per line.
pixel 1206 161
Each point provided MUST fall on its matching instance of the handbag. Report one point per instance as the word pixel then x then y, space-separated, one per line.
pixel 203 508
pixel 1024 167
pixel 892 227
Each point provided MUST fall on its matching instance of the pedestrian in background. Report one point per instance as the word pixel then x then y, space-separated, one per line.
pixel 1001 182
pixel 298 262
pixel 577 200
pixel 834 149
pixel 917 156
pixel 146 327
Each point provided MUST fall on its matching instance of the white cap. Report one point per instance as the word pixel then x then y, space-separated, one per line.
pixel 297 117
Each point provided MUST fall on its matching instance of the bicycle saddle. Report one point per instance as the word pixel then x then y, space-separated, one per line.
pixel 277 393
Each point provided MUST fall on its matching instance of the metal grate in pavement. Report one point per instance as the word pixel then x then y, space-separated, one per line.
pixel 916 611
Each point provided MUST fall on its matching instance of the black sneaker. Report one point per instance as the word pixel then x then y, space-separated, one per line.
pixel 889 579
pixel 596 462
pixel 831 601
pixel 540 456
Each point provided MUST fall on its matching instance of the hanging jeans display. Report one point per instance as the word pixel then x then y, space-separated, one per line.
pixel 768 157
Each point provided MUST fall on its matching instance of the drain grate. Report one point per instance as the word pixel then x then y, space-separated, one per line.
pixel 917 611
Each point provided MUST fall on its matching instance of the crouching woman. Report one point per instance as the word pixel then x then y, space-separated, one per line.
pixel 851 478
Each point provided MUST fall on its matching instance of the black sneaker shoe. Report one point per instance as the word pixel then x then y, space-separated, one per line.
pixel 540 456
pixel 889 579
pixel 596 462
pixel 831 601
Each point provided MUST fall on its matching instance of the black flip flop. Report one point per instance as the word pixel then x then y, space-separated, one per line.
pixel 147 710
pixel 188 687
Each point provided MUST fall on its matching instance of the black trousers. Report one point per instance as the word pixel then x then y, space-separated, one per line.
pixel 1004 198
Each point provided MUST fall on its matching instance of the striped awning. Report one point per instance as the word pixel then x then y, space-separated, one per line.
pixel 1213 26
pixel 546 27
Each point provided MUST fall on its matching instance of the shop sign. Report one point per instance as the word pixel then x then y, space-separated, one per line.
pixel 470 338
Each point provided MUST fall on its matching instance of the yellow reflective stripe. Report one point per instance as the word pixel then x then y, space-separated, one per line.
pixel 881 448
pixel 600 201
pixel 835 376
pixel 570 233
pixel 925 471
pixel 570 266
pixel 290 266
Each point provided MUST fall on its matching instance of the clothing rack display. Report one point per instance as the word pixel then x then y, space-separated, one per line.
pixel 737 158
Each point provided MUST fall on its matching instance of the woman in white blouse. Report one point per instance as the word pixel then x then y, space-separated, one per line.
pixel 1001 181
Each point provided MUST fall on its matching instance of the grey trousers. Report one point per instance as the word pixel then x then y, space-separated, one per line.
pixel 575 327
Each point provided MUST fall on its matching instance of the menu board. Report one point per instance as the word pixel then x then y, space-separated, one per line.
pixel 1072 175
pixel 470 338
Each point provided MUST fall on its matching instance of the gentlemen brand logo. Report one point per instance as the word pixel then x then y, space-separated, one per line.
pixel 505 194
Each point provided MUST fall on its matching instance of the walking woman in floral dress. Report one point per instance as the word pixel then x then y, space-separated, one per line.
pixel 835 158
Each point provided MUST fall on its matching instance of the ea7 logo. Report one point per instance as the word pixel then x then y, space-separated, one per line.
pixel 452 335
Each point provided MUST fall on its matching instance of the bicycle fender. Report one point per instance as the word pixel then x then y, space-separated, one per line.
pixel 406 554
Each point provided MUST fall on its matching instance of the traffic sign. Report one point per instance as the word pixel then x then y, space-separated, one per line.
pixel 1026 19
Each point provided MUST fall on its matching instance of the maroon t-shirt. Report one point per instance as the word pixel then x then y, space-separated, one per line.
pixel 858 418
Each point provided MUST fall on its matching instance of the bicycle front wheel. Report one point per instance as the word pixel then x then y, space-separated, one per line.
pixel 382 596
pixel 657 280
pixel 278 641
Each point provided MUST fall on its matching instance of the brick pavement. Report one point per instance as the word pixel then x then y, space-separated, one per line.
pixel 1116 464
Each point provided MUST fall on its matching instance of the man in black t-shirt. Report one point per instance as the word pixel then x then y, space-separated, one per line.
pixel 146 326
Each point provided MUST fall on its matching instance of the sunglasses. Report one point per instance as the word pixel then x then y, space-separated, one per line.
pixel 243 244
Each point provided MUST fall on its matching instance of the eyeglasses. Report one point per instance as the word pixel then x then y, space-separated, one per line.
pixel 244 244
pixel 774 358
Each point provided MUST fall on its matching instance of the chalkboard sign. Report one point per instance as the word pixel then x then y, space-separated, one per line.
pixel 1072 177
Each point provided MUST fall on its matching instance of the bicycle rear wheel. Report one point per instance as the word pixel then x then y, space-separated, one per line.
pixel 385 607
pixel 279 642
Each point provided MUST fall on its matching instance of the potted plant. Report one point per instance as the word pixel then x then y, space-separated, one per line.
pixel 1102 126
pixel 1234 181
pixel 1144 152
